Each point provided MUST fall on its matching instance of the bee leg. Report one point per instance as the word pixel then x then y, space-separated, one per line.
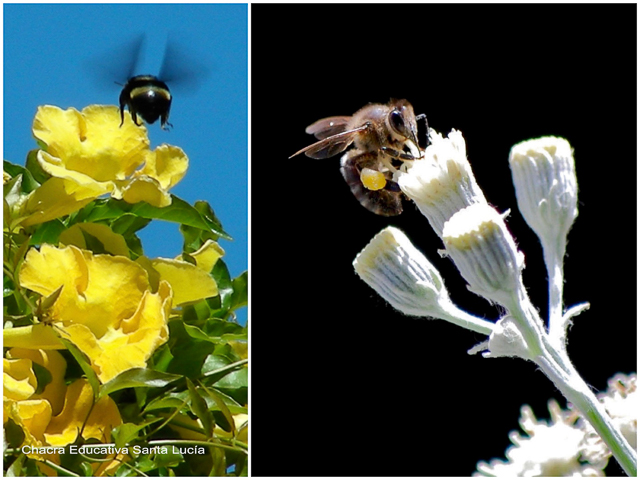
pixel 134 117
pixel 164 119
pixel 397 154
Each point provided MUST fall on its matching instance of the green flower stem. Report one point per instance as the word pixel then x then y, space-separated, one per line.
pixel 556 365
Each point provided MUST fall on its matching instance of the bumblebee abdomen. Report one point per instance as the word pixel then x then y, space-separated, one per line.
pixel 148 97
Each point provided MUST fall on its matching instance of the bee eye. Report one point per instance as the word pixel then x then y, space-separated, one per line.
pixel 396 121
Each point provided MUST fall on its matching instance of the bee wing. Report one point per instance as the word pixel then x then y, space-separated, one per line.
pixel 327 127
pixel 180 68
pixel 116 64
pixel 332 145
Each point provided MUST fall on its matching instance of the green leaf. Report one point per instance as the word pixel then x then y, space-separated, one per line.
pixel 128 224
pixel 209 215
pixel 222 406
pixel 48 232
pixel 27 182
pixel 221 304
pixel 240 291
pixel 170 401
pixel 85 365
pixel 43 377
pixel 200 409
pixel 127 432
pixel 217 367
pixel 138 377
pixel 34 167
pixel 101 210
pixel 188 353
pixel 181 212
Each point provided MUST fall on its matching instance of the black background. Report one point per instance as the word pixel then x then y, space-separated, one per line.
pixel 341 383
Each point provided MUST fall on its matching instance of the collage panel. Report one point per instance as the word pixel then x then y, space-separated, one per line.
pixel 126 240
pixel 355 377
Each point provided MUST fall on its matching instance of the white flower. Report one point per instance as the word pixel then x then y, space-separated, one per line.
pixel 550 449
pixel 404 277
pixel 441 183
pixel 477 240
pixel 544 177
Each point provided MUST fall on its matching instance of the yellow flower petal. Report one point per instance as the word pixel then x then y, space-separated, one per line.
pixel 44 271
pixel 189 283
pixel 92 141
pixel 207 255
pixel 33 416
pixel 167 164
pixel 54 362
pixel 113 293
pixel 130 345
pixel 143 189
pixel 39 336
pixel 19 381
pixel 65 427
pixel 139 336
pixel 58 197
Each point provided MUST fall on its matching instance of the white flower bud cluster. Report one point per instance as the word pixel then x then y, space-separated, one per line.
pixel 445 190
pixel 476 238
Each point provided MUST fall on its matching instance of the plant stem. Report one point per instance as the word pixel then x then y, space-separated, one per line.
pixel 554 362
pixel 553 259
pixel 574 388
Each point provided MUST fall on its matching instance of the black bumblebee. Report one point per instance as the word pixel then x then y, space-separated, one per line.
pixel 148 96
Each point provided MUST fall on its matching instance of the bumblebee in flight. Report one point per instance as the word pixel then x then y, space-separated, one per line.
pixel 148 96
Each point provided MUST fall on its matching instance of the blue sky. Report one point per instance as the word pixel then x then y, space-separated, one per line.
pixel 53 55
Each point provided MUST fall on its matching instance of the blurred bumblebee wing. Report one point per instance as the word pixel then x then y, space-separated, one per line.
pixel 116 64
pixel 327 127
pixel 332 145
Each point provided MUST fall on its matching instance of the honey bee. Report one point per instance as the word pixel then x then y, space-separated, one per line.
pixel 384 136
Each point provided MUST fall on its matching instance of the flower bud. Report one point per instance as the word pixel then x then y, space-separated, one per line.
pixel 401 275
pixel 484 251
pixel 442 182
pixel 404 277
pixel 544 177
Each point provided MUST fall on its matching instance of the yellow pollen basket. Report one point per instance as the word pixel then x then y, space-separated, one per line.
pixel 372 179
